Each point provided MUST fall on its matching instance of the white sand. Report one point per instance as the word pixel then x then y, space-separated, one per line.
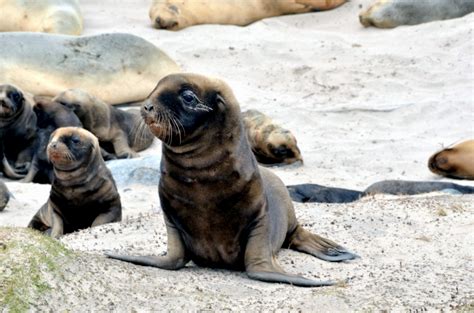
pixel 365 105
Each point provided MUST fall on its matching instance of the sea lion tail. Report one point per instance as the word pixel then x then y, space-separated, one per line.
pixel 320 247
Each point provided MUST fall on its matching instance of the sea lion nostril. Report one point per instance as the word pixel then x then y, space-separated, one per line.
pixel 148 107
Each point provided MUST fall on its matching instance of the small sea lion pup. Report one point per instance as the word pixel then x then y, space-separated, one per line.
pixel 178 14
pixel 83 192
pixel 220 208
pixel 270 142
pixel 454 162
pixel 17 131
pixel 125 130
pixel 393 13
pixel 49 16
pixel 50 116
pixel 116 68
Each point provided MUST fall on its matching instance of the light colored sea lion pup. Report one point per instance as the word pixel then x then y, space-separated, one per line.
pixel 455 162
pixel 48 16
pixel 220 208
pixel 125 130
pixel 270 142
pixel 83 193
pixel 393 13
pixel 117 68
pixel 178 14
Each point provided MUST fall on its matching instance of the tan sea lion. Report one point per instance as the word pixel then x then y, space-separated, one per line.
pixel 178 14
pixel 270 142
pixel 50 116
pixel 17 131
pixel 49 16
pixel 455 162
pixel 125 130
pixel 83 193
pixel 116 68
pixel 393 13
pixel 220 208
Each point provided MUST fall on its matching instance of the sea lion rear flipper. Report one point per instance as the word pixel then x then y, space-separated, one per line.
pixel 275 277
pixel 320 247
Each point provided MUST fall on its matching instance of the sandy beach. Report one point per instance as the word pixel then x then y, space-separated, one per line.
pixel 364 104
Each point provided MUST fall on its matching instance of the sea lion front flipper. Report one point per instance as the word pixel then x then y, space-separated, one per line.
pixel 320 247
pixel 261 264
pixel 57 229
pixel 174 259
pixel 9 171
pixel 121 147
pixel 114 215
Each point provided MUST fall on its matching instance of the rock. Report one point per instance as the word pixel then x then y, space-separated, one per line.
pixel 145 170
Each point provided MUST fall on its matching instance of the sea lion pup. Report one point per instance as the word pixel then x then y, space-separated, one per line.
pixel 4 195
pixel 50 116
pixel 220 208
pixel 17 131
pixel 83 193
pixel 270 142
pixel 116 68
pixel 393 13
pixel 48 16
pixel 178 14
pixel 455 162
pixel 124 129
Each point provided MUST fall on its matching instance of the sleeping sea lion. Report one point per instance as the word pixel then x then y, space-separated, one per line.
pixel 178 14
pixel 17 131
pixel 220 208
pixel 454 162
pixel 393 13
pixel 116 68
pixel 125 130
pixel 49 16
pixel 83 193
pixel 270 142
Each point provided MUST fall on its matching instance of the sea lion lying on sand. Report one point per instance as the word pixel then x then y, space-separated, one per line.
pixel 220 208
pixel 178 14
pixel 393 13
pixel 17 131
pixel 116 68
pixel 83 193
pixel 4 195
pixel 49 16
pixel 454 162
pixel 125 130
pixel 270 143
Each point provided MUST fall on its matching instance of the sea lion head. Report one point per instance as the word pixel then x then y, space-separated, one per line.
pixel 455 162
pixel 281 147
pixel 12 102
pixel 69 148
pixel 169 15
pixel 186 107
pixel 75 100
pixel 54 114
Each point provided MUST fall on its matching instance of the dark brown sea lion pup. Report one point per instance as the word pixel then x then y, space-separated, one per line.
pixel 271 143
pixel 50 116
pixel 17 131
pixel 178 14
pixel 125 130
pixel 454 162
pixel 220 208
pixel 83 192
pixel 4 195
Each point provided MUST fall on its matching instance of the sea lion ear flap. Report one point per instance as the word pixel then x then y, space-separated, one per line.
pixel 220 102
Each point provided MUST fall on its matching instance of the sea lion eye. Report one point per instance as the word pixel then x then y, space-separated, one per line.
pixel 15 96
pixel 75 139
pixel 188 97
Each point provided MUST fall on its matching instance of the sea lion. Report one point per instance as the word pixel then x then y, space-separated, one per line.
pixel 83 193
pixel 393 13
pixel 17 131
pixel 125 130
pixel 116 68
pixel 317 193
pixel 220 208
pixel 4 195
pixel 455 162
pixel 270 142
pixel 50 116
pixel 48 16
pixel 178 14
